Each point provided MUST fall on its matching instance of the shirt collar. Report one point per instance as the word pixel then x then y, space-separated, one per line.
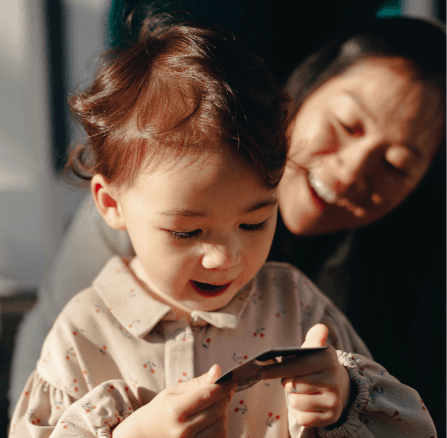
pixel 138 312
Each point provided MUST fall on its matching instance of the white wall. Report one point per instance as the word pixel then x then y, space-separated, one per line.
pixel 33 205
pixel 29 221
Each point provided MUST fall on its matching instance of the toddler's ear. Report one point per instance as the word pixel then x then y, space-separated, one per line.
pixel 107 203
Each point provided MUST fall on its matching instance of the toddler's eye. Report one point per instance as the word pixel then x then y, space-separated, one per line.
pixel 183 235
pixel 254 227
pixel 395 169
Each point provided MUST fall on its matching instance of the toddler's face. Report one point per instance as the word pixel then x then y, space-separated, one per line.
pixel 201 228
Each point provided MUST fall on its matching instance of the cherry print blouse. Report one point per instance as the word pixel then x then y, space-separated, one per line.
pixel 114 347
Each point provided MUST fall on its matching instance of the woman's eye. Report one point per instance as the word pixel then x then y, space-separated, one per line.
pixel 395 169
pixel 355 129
pixel 254 227
pixel 183 235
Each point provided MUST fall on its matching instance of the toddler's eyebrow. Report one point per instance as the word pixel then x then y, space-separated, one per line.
pixel 267 202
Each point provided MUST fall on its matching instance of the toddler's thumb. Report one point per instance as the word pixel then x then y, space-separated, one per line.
pixel 211 376
pixel 316 336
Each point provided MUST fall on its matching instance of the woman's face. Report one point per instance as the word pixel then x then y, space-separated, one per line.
pixel 360 144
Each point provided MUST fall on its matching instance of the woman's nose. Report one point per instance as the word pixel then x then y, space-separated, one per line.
pixel 353 167
pixel 221 256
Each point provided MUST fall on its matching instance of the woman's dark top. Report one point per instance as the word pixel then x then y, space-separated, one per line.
pixel 392 288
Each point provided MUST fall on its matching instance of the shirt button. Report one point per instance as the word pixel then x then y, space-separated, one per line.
pixel 179 335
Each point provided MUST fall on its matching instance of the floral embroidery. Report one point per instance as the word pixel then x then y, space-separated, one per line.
pixel 134 382
pixel 48 358
pixel 378 390
pixel 255 297
pixel 184 378
pixel 70 353
pixel 239 359
pixel 75 332
pixel 33 417
pixel 242 409
pixel 57 405
pixel 271 419
pixel 73 387
pixel 88 407
pixel 125 333
pixel 207 343
pixel 306 308
pixel 66 424
pixel 150 365
pixel 259 332
pixel 87 377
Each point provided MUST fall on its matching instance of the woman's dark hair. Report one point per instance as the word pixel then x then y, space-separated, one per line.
pixel 421 43
pixel 179 88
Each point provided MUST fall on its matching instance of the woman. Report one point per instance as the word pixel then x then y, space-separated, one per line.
pixel 322 200
pixel 367 153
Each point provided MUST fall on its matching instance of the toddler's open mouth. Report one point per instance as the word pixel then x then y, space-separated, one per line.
pixel 209 290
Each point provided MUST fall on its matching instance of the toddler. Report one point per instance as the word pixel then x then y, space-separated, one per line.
pixel 185 149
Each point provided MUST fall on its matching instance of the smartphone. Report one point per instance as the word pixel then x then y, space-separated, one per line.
pixel 246 374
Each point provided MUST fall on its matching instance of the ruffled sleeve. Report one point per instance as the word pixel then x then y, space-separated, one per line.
pixel 45 411
pixel 384 407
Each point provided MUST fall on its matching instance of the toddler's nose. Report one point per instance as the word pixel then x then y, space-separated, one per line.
pixel 221 257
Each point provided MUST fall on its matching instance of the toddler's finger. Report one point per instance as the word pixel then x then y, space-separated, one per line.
pixel 218 429
pixel 200 393
pixel 295 386
pixel 316 336
pixel 201 420
pixel 205 380
pixel 309 403
pixel 211 376
pixel 314 419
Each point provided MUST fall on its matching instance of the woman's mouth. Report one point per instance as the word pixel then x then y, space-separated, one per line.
pixel 322 194
pixel 321 189
pixel 209 290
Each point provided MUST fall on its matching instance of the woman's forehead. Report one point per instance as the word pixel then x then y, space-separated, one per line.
pixel 393 93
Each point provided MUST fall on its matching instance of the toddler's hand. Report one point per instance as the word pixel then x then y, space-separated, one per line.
pixel 196 408
pixel 318 385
